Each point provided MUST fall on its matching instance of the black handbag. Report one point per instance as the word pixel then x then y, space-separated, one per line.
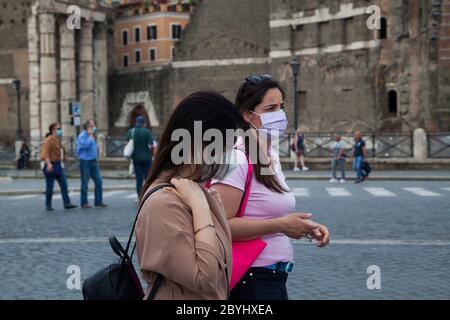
pixel 119 281
pixel 366 168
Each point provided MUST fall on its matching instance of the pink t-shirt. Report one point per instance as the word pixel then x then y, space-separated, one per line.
pixel 264 204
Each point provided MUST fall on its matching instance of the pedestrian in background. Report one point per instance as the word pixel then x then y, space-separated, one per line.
pixel 87 154
pixel 359 156
pixel 299 149
pixel 24 156
pixel 142 151
pixel 52 153
pixel 337 159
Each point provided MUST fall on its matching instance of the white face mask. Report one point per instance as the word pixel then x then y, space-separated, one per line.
pixel 272 123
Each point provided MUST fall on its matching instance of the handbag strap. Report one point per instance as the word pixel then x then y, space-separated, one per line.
pixel 156 285
pixel 159 277
pixel 248 183
pixel 137 215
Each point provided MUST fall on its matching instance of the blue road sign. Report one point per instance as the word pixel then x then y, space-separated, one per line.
pixel 76 108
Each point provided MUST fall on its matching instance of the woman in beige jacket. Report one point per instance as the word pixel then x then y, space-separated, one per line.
pixel 182 232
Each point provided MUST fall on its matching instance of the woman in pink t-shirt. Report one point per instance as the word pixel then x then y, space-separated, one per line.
pixel 269 214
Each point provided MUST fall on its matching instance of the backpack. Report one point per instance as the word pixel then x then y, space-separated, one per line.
pixel 119 281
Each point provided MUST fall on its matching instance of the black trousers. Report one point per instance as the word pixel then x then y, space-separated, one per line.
pixel 261 284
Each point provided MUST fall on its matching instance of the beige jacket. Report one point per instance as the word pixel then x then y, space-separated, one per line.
pixel 52 148
pixel 166 245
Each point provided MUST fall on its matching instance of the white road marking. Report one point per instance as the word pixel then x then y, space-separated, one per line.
pixel 379 242
pixel 446 189
pixel 111 193
pixel 59 240
pixel 90 195
pixel 301 192
pixel 338 192
pixel 131 196
pixel 380 192
pixel 24 196
pixel 55 197
pixel 423 192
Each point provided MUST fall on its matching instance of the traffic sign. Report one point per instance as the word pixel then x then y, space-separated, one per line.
pixel 76 108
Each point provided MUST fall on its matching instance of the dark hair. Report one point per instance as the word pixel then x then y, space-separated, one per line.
pixel 139 110
pixel 24 146
pixel 86 124
pixel 215 112
pixel 250 94
pixel 51 128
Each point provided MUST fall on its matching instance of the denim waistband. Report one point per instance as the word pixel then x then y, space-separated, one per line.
pixel 281 266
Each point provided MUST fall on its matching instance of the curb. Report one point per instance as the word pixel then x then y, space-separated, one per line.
pixel 375 178
pixel 68 176
pixel 288 176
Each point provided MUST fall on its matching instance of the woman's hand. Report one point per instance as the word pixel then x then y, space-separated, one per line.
pixel 193 196
pixel 298 225
pixel 190 193
pixel 321 235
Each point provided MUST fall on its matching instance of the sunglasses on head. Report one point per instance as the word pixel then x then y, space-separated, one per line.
pixel 255 79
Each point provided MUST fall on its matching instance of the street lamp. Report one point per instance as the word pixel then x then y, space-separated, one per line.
pixel 295 64
pixel 16 84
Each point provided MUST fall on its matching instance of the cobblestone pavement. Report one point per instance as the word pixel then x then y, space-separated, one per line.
pixel 401 227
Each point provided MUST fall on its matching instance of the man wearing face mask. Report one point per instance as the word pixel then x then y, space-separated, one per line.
pixel 53 153
pixel 87 154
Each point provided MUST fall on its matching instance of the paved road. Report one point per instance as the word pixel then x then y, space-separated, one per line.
pixel 401 227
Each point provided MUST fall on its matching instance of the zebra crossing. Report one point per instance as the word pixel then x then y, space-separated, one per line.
pixel 338 192
pixel 380 192
pixel 374 191
pixel 304 192
pixel 423 192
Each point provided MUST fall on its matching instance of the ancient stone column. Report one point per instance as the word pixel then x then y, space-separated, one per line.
pixel 48 85
pixel 67 76
pixel 34 74
pixel 86 71
pixel 101 78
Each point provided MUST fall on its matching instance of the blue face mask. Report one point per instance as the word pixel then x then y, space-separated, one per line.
pixel 59 133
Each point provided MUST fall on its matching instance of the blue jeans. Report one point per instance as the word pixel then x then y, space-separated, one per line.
pixel 141 170
pixel 357 165
pixel 89 169
pixel 50 177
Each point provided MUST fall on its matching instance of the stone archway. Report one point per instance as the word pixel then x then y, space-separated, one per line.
pixel 131 102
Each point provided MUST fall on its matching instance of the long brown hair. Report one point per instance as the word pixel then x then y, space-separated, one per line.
pixel 249 95
pixel 215 112
pixel 52 127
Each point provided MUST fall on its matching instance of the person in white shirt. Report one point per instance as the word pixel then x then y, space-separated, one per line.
pixel 337 159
